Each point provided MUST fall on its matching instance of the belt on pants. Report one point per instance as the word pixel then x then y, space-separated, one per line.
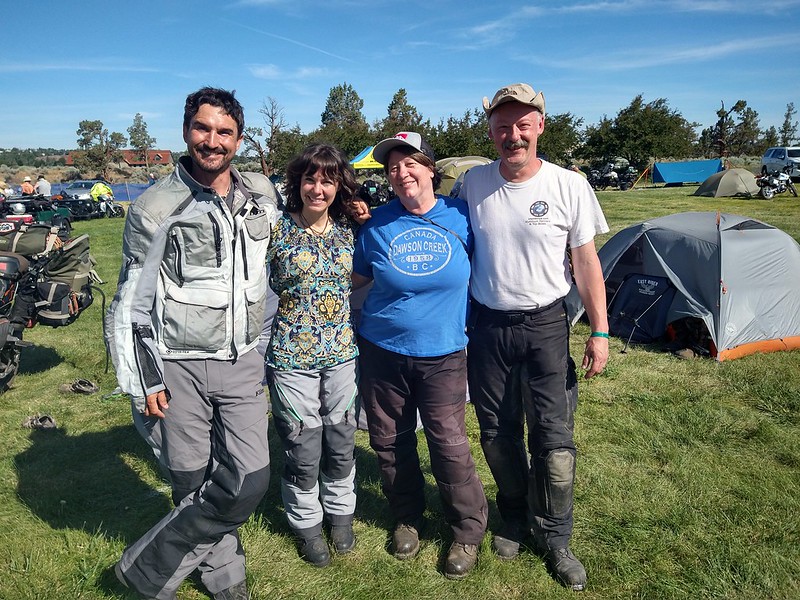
pixel 509 317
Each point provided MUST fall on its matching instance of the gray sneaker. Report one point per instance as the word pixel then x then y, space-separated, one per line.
pixel 567 568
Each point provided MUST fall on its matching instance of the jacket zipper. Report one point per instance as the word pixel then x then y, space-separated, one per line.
pixel 244 256
pixel 217 238
pixel 178 259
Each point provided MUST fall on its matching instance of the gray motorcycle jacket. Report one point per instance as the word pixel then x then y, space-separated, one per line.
pixel 193 278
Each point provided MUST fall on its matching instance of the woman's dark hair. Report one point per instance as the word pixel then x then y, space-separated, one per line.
pixel 334 165
pixel 215 97
pixel 422 159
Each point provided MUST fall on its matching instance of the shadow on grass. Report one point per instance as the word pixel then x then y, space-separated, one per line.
pixel 38 359
pixel 372 507
pixel 82 482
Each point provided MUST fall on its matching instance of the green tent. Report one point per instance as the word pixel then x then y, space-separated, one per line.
pixel 728 183
pixel 454 167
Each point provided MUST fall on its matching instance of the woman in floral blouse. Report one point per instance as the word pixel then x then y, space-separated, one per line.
pixel 312 352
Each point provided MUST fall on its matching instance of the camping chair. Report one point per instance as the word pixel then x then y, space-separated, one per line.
pixel 638 309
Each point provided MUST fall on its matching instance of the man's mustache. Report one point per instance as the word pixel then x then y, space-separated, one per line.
pixel 519 144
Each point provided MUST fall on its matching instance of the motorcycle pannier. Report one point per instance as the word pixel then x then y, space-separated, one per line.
pixel 28 240
pixel 65 289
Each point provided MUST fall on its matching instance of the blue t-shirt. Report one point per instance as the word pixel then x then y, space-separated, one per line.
pixel 418 303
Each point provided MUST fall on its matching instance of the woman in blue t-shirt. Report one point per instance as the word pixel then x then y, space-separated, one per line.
pixel 412 344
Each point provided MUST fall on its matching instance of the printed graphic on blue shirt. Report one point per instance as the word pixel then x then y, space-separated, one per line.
pixel 420 251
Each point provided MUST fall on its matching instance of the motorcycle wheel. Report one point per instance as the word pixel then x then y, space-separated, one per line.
pixel 767 192
pixel 9 365
pixel 117 211
pixel 792 189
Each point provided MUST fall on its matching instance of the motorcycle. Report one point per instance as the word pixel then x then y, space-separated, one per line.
pixel 627 178
pixel 776 182
pixel 50 284
pixel 605 178
pixel 106 206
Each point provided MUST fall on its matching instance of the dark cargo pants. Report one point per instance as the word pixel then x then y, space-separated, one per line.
pixel 393 388
pixel 501 346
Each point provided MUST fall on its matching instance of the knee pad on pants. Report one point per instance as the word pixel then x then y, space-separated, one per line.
pixel 338 459
pixel 303 454
pixel 553 479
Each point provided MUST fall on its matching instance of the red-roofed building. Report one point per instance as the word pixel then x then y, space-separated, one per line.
pixel 132 158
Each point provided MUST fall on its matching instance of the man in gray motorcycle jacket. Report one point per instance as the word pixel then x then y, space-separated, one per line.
pixel 182 332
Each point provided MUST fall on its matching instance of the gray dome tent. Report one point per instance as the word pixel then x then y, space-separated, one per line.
pixel 738 275
pixel 729 183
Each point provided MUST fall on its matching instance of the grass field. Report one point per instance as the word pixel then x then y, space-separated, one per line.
pixel 686 486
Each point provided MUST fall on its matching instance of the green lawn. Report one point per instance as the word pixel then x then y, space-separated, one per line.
pixel 686 488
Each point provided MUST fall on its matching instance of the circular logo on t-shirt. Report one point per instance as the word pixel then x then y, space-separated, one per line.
pixel 420 251
pixel 539 208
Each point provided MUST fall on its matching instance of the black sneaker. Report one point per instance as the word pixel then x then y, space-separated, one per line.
pixel 315 550
pixel 567 568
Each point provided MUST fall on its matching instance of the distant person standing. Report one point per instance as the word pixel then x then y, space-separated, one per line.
pixel 42 186
pixel 27 187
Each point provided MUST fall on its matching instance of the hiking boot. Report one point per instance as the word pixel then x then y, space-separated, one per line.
pixel 343 538
pixel 238 591
pixel 567 569
pixel 507 541
pixel 405 541
pixel 460 560
pixel 315 550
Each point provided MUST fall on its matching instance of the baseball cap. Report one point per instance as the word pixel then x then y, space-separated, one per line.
pixel 404 138
pixel 516 92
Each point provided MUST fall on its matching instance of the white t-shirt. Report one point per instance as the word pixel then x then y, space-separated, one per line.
pixel 522 231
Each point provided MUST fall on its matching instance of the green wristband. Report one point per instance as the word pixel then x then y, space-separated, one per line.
pixel 601 334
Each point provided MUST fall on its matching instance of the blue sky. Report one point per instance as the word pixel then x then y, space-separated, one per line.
pixel 63 62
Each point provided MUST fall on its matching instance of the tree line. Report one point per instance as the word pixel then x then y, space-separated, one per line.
pixel 640 132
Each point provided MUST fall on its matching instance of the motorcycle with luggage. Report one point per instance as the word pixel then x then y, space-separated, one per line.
pixel 44 280
pixel 776 182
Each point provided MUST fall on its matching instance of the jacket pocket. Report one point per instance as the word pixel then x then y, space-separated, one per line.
pixel 255 298
pixel 257 224
pixel 194 319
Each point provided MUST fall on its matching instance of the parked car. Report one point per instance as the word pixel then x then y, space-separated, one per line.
pixel 79 189
pixel 775 159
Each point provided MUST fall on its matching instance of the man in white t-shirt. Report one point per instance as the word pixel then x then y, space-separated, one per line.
pixel 528 218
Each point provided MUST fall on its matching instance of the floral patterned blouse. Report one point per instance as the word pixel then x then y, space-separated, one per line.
pixel 311 276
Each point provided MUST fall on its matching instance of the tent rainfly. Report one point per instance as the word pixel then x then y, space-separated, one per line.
pixel 731 182
pixel 453 169
pixel 736 274
pixel 688 171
